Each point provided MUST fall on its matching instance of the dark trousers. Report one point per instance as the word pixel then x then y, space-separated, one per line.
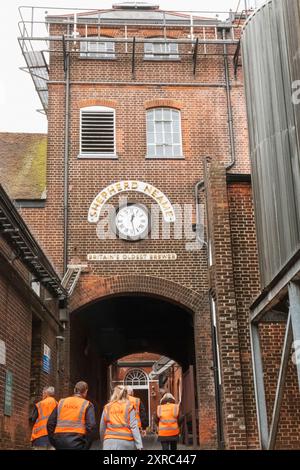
pixel 169 445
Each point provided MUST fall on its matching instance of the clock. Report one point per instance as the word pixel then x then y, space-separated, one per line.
pixel 132 222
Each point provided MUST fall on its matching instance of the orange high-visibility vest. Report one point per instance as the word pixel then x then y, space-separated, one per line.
pixel 71 415
pixel 44 408
pixel 168 420
pixel 117 420
pixel 136 403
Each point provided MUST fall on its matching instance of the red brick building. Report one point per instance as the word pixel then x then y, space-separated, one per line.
pixel 146 104
pixel 31 341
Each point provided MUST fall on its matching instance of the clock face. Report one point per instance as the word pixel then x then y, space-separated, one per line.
pixel 132 222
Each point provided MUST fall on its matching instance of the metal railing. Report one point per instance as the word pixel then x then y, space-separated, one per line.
pixel 35 22
pixel 50 30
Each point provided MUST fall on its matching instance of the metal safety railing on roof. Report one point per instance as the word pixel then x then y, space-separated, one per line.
pixel 42 27
pixel 39 71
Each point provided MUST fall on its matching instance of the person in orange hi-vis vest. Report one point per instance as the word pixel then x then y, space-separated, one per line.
pixel 141 416
pixel 168 419
pixel 72 424
pixel 118 427
pixel 41 412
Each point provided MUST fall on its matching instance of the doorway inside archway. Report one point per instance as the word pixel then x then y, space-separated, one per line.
pixel 150 376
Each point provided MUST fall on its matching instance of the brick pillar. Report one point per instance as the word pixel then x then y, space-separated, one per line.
pixel 205 378
pixel 222 281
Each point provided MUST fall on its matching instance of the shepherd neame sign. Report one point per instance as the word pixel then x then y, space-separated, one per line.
pixel 131 185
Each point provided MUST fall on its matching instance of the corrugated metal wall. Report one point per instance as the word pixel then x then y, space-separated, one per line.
pixel 271 60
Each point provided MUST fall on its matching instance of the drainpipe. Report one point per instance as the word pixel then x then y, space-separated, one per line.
pixel 66 158
pixel 216 370
pixel 229 107
pixel 198 187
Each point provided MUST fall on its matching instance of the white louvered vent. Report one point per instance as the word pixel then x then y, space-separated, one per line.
pixel 97 131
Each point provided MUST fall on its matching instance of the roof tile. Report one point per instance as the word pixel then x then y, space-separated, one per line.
pixel 23 164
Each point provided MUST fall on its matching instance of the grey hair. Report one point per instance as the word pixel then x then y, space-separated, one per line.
pixel 167 398
pixel 129 389
pixel 49 390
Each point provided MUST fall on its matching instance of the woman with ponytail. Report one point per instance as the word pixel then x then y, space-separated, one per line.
pixel 119 428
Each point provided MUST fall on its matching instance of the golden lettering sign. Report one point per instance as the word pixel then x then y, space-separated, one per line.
pixel 131 185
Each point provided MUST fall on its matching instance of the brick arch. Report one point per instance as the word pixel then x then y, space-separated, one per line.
pixel 159 34
pixel 93 288
pixel 97 102
pixel 93 32
pixel 163 102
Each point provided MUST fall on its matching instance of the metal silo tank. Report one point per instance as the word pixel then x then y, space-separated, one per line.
pixel 271 61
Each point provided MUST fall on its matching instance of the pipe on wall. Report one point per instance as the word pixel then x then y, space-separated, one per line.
pixel 229 108
pixel 66 160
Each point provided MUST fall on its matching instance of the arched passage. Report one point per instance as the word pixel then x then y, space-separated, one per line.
pixel 119 325
pixel 117 316
pixel 93 288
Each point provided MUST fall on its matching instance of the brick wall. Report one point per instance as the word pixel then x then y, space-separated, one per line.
pixel 15 330
pixel 246 284
pixel 23 356
pixel 224 291
pixel 24 348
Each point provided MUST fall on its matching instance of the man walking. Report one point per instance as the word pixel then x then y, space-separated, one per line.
pixel 72 424
pixel 42 411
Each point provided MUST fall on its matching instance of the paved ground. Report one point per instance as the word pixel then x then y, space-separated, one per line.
pixel 150 443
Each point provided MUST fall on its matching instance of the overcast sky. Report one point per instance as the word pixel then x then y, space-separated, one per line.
pixel 18 99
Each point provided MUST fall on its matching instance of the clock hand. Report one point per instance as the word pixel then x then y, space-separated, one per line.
pixel 131 220
pixel 133 227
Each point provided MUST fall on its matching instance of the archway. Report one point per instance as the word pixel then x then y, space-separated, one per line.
pixel 110 328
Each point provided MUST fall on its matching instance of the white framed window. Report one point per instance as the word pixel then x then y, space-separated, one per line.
pixel 97 132
pixel 161 50
pixel 164 133
pixel 136 378
pixel 99 49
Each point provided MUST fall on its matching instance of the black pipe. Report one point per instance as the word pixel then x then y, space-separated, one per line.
pixel 66 160
pixel 229 107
